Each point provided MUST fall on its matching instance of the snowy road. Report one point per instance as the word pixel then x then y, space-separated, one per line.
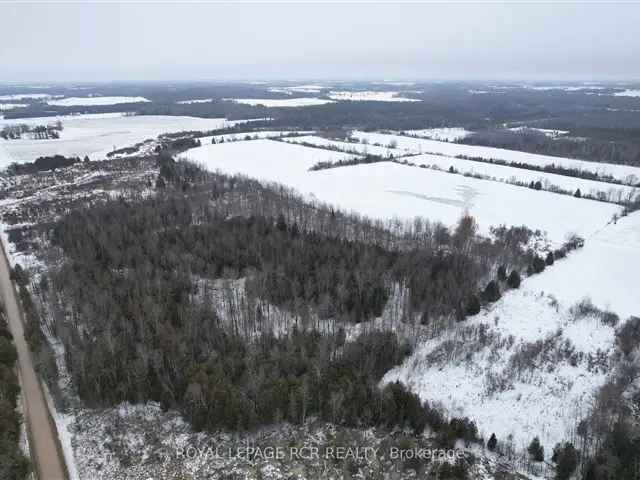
pixel 43 436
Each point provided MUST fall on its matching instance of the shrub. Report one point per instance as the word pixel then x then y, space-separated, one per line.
pixel 628 337
pixel 492 443
pixel 536 450
pixel 565 456
pixel 550 258
pixel 538 264
pixel 491 292
pixel 473 305
pixel 514 279
pixel 502 273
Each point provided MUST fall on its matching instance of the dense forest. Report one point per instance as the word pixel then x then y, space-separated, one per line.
pixel 133 293
pixel 13 464
pixel 625 149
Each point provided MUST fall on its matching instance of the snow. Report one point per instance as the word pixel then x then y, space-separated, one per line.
pixel 625 173
pixel 603 270
pixel 450 134
pixel 94 101
pixel 350 147
pixel 370 96
pixel 10 106
pixel 628 93
pixel 512 174
pixel 550 398
pixel 548 132
pixel 546 397
pixel 196 100
pixel 23 96
pixel 298 89
pixel 287 102
pixel 235 137
pixel 386 189
pixel 97 135
pixel 262 159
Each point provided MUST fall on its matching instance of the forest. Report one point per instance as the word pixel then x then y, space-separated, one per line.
pixel 13 464
pixel 132 285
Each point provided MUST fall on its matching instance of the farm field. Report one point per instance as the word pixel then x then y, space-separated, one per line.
pixel 286 102
pixel 351 147
pixel 625 173
pixel 450 134
pixel 384 190
pixel 370 96
pixel 96 135
pixel 610 191
pixel 93 101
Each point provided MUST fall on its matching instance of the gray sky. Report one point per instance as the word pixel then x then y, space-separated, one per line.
pixel 109 41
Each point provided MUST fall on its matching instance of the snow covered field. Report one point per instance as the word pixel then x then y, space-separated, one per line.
pixel 603 270
pixel 625 173
pixel 11 106
pixel 93 101
pixel 287 102
pixel 512 174
pixel 97 135
pixel 557 390
pixel 370 96
pixel 195 100
pixel 628 93
pixel 349 147
pixel 235 137
pixel 442 134
pixel 493 371
pixel 387 189
pixel 25 96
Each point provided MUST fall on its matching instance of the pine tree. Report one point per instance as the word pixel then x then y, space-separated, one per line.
pixel 550 258
pixel 473 305
pixel 492 443
pixel 491 292
pixel 514 279
pixel 536 450
pixel 502 273
pixel 578 194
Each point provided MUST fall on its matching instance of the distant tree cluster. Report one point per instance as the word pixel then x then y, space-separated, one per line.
pixel 42 164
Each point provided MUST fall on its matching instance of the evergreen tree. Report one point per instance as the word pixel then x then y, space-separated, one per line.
pixel 491 292
pixel 473 305
pixel 502 273
pixel 514 279
pixel 550 258
pixel 492 443
pixel 536 450
pixel 578 194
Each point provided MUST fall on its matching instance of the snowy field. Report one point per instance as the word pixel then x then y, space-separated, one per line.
pixel 350 147
pixel 475 375
pixel 235 137
pixel 628 93
pixel 26 96
pixel 298 89
pixel 94 101
pixel 512 174
pixel 96 135
pixel 547 131
pixel 11 106
pixel 450 134
pixel 287 102
pixel 624 173
pixel 547 399
pixel 603 270
pixel 387 189
pixel 195 100
pixel 370 96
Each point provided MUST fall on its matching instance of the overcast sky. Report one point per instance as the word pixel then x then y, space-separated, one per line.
pixel 163 41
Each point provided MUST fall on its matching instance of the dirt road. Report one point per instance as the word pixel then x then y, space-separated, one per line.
pixel 43 436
